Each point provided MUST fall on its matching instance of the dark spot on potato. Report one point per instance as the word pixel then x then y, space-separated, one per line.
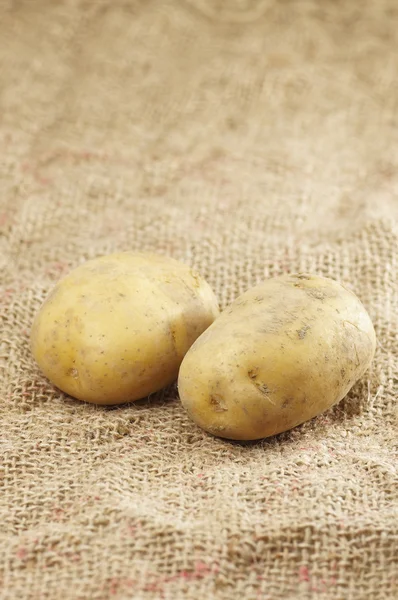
pixel 301 276
pixel 217 402
pixel 303 331
pixel 172 334
pixel 263 387
pixel 343 373
pixel 259 298
pixel 326 358
pixel 216 428
pixel 253 373
pixel 122 295
pixel 73 373
pixel 317 294
pixel 286 402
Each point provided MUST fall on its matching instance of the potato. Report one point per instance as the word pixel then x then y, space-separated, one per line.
pixel 117 328
pixel 282 353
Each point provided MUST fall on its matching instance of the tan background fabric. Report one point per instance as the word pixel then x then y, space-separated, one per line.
pixel 247 138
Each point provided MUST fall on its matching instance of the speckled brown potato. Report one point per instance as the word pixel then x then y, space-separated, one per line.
pixel 117 328
pixel 282 353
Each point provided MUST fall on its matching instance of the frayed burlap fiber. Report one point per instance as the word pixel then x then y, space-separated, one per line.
pixel 248 138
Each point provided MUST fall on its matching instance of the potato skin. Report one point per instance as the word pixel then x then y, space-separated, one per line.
pixel 282 353
pixel 117 328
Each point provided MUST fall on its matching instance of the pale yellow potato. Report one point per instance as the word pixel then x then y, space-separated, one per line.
pixel 282 353
pixel 117 328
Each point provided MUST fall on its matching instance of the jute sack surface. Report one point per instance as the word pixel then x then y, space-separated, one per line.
pixel 247 138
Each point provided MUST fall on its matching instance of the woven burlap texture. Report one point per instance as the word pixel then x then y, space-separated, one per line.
pixel 247 138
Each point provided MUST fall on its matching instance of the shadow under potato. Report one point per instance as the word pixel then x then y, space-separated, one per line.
pixel 163 396
pixel 353 405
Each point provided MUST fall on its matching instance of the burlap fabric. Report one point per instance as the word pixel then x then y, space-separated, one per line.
pixel 247 138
